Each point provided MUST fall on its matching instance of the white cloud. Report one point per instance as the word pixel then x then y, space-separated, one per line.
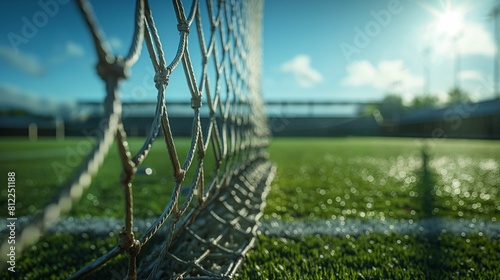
pixel 300 68
pixel 470 75
pixel 116 43
pixel 66 52
pixel 473 39
pixel 360 73
pixel 386 75
pixel 74 49
pixel 24 62
pixel 13 97
pixel 476 40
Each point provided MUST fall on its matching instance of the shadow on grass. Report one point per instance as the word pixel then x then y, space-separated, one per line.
pixel 426 186
pixel 435 256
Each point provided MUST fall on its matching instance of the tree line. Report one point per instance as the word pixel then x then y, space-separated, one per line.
pixel 392 105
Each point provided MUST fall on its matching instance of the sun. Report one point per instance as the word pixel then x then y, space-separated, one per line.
pixel 448 19
pixel 449 22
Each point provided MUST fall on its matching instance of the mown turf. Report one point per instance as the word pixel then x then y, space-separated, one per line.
pixel 40 178
pixel 360 178
pixel 374 256
pixel 57 256
pixel 383 177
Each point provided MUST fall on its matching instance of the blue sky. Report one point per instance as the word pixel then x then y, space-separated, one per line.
pixel 312 50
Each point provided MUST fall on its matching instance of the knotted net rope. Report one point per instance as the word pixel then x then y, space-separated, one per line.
pixel 209 232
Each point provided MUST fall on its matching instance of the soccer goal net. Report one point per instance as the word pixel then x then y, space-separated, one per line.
pixel 210 219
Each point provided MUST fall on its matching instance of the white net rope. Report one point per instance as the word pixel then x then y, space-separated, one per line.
pixel 236 135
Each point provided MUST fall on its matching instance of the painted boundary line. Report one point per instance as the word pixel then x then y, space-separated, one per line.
pixel 295 229
pixel 355 227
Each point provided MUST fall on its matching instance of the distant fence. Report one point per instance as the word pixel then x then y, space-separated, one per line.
pixel 480 120
pixel 283 108
pixel 32 127
pixel 303 118
pixel 479 127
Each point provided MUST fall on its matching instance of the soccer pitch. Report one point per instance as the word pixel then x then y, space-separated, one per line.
pixel 346 208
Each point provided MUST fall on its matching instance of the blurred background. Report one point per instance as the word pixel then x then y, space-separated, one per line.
pixel 344 207
pixel 364 68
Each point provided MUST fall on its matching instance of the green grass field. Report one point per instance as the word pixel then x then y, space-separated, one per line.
pixel 318 180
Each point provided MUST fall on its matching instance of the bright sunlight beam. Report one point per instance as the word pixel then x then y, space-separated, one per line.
pixel 448 18
pixel 449 22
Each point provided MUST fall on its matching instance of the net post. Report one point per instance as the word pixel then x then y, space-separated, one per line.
pixel 33 132
pixel 60 129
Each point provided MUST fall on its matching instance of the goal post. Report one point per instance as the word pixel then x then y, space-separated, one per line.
pixel 218 57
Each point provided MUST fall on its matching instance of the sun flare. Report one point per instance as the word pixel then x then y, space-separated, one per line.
pixel 449 22
pixel 448 19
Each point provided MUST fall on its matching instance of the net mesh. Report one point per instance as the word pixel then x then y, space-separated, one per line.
pixel 225 57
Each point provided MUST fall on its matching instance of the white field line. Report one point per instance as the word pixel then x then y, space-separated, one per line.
pixel 94 226
pixel 356 227
pixel 295 229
